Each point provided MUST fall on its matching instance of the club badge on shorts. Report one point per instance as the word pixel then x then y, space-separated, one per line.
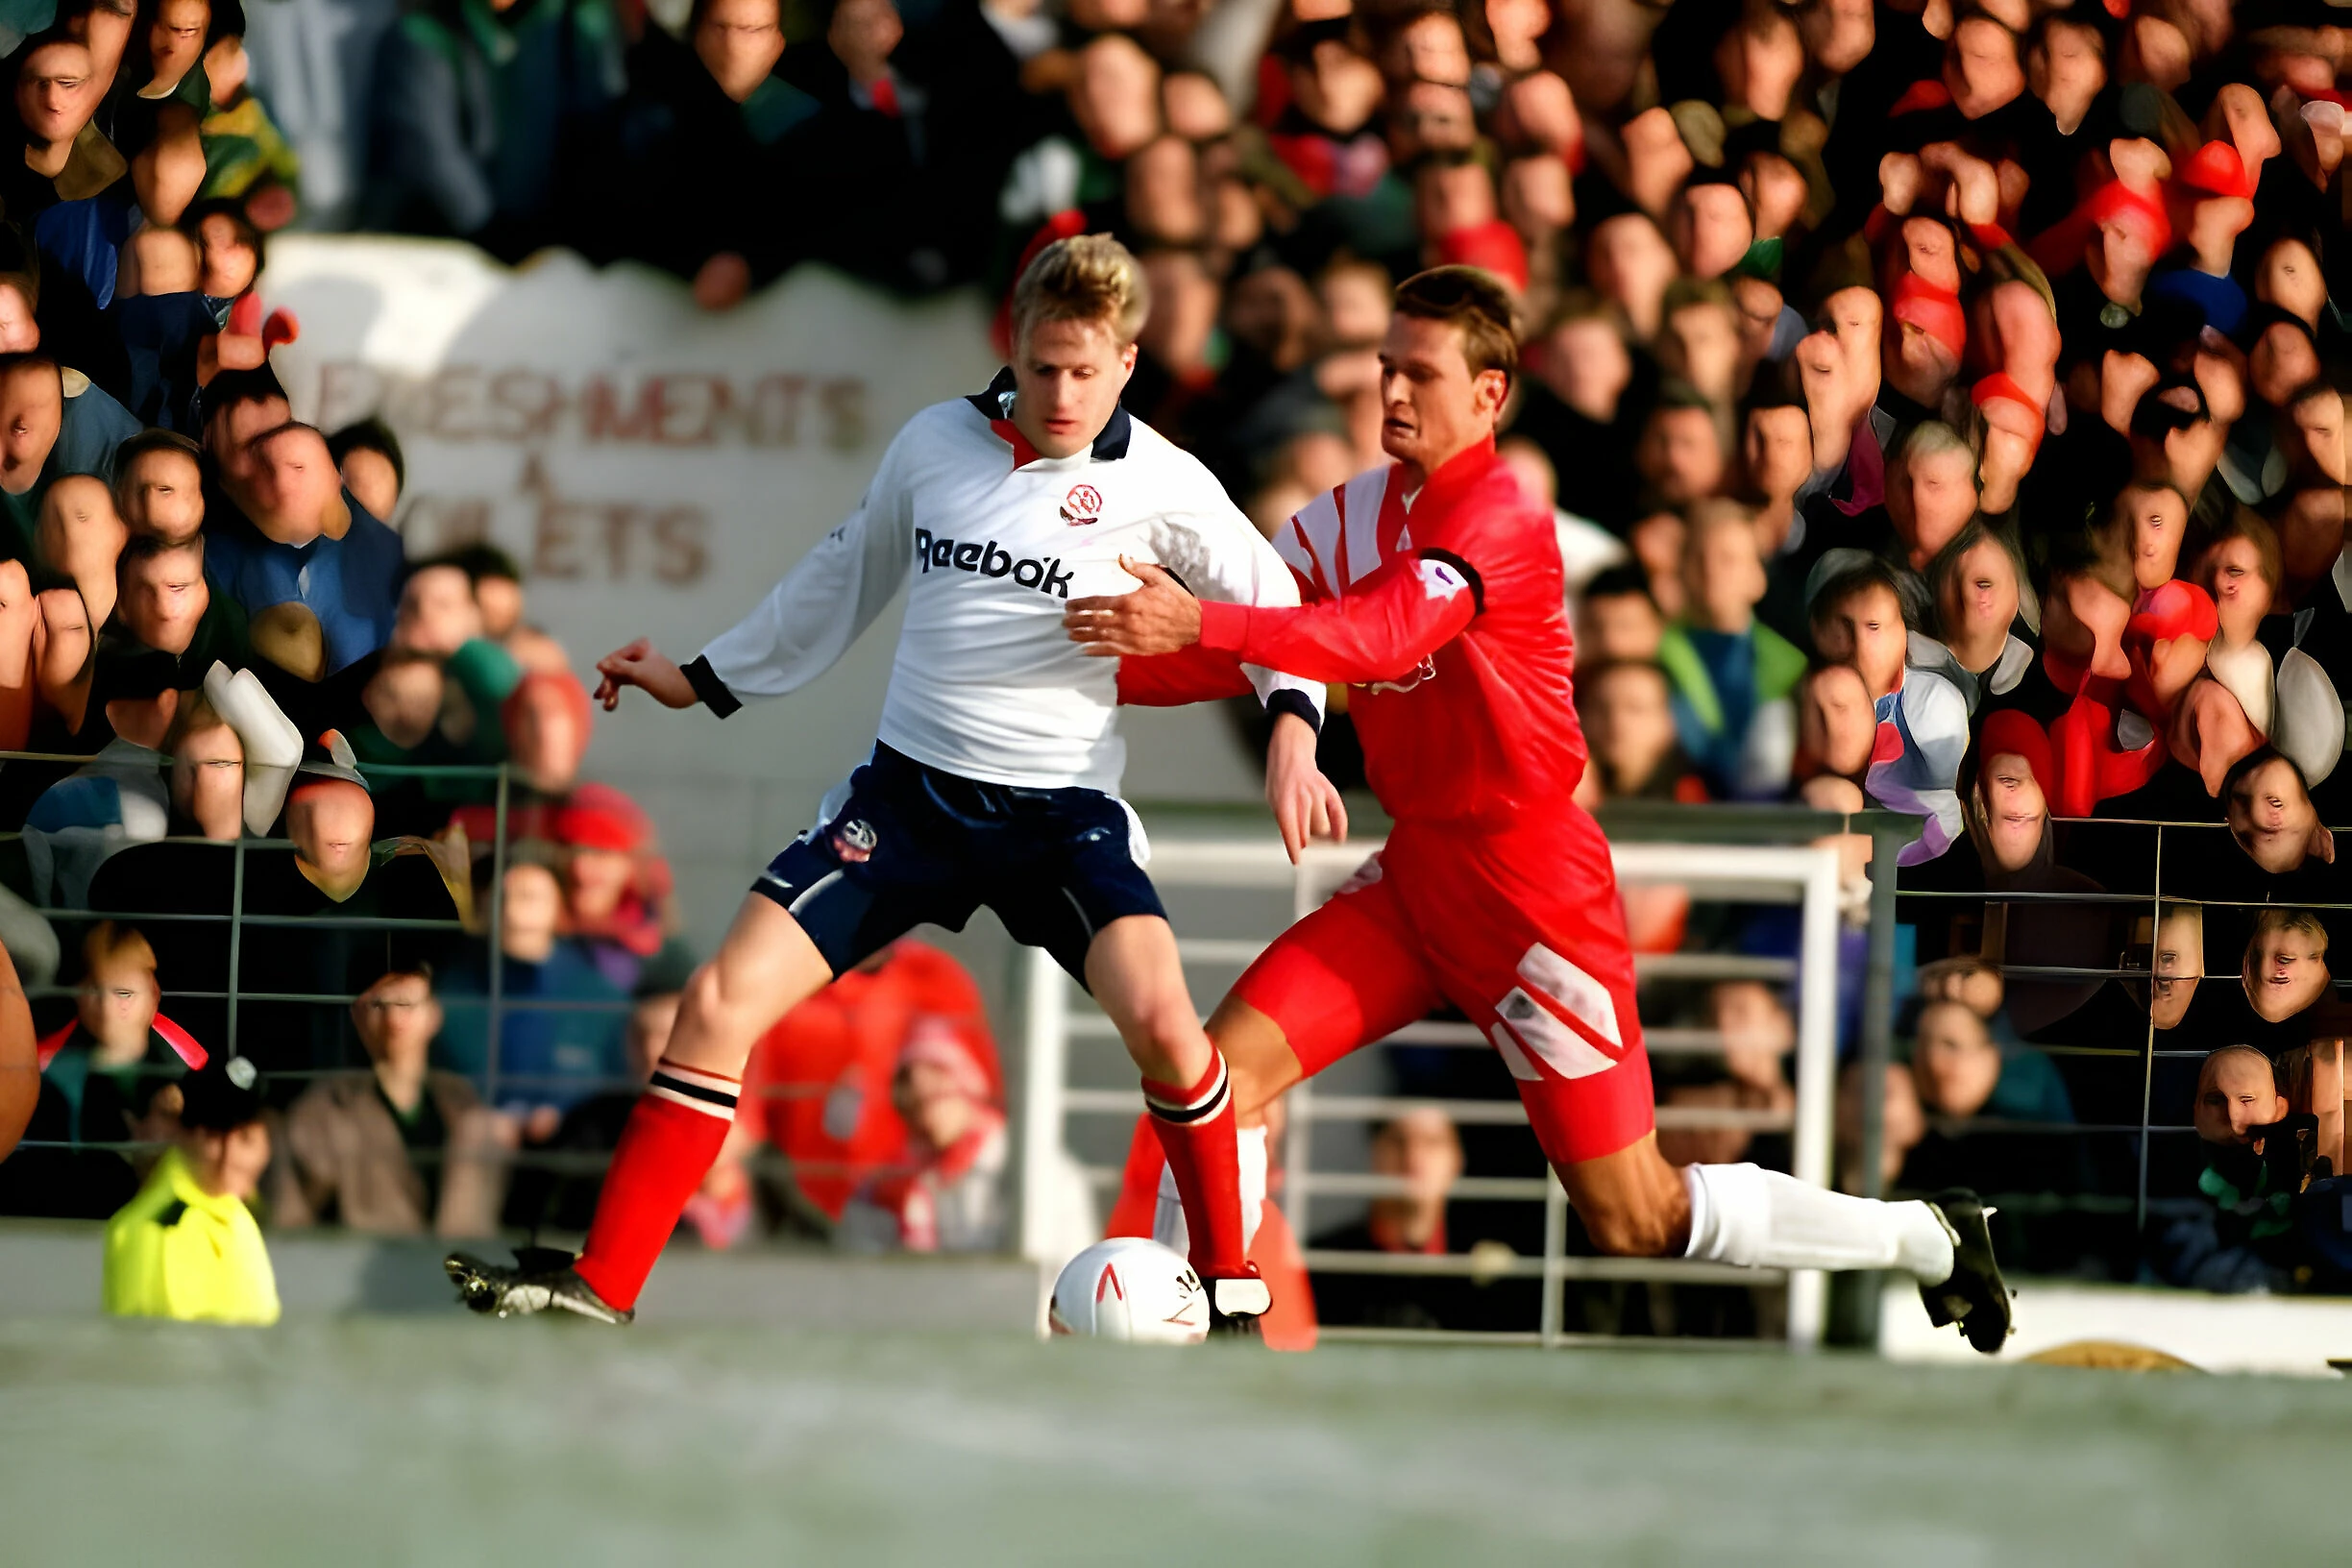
pixel 1082 505
pixel 854 841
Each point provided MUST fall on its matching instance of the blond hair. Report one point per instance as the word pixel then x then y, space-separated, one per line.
pixel 1084 277
pixel 111 943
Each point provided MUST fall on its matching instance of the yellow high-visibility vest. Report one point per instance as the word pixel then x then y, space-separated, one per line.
pixel 178 1250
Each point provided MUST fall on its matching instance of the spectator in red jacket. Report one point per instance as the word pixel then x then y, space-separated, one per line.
pixel 819 1085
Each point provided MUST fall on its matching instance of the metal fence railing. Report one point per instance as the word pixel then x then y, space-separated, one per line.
pixel 1054 1025
pixel 2187 866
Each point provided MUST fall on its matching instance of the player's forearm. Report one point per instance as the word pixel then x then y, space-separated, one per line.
pixel 1170 680
pixel 1356 640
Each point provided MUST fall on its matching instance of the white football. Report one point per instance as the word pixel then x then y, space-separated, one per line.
pixel 1130 1287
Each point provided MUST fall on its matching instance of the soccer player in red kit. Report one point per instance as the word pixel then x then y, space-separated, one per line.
pixel 1434 586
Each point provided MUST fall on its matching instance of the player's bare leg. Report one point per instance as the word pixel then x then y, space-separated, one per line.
pixel 1634 1204
pixel 1133 969
pixel 765 967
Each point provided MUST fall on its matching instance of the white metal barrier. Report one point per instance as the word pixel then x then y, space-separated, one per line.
pixel 1802 875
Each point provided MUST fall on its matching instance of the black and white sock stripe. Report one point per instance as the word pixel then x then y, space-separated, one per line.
pixel 695 1090
pixel 1210 1103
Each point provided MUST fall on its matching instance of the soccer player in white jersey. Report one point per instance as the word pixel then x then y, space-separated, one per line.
pixel 995 776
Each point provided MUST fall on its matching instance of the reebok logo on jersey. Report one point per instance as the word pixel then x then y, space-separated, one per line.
pixel 988 558
pixel 1439 580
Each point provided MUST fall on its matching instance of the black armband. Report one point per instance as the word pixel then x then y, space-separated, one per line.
pixel 710 688
pixel 1292 700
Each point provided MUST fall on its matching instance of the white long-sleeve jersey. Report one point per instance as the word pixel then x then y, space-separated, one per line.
pixel 994 542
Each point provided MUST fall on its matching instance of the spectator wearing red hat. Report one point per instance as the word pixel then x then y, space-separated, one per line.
pixel 617 888
pixel 948 1194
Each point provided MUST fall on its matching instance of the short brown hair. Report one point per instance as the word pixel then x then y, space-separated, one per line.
pixel 2275 920
pixel 1474 299
pixel 2244 522
pixel 1084 277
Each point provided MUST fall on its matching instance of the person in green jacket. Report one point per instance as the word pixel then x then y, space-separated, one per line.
pixel 186 1246
pixel 1732 674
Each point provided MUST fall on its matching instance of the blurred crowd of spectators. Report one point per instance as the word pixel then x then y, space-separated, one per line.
pixel 1942 403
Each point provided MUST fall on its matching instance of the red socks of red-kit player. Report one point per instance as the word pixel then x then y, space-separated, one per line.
pixel 671 1141
pixel 1196 1130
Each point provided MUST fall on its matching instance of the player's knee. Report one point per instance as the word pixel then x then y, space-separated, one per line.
pixel 708 1005
pixel 1166 1024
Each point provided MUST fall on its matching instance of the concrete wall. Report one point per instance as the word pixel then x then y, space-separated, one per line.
pixel 51 1268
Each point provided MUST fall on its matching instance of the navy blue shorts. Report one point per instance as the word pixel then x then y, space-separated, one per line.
pixel 916 845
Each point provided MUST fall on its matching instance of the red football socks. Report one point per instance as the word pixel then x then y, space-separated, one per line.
pixel 671 1140
pixel 1196 1130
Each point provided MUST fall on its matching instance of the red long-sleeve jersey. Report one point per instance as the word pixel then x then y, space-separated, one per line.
pixel 1446 611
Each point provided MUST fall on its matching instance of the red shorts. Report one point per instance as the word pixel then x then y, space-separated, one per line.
pixel 1521 931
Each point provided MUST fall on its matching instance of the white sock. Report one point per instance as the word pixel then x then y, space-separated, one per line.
pixel 1169 1227
pixel 1762 1219
pixel 1251 1145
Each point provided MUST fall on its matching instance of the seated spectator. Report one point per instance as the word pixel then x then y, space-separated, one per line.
pixel 556 1185
pixel 396 1149
pixel 1977 584
pixel 2174 946
pixel 616 884
pixel 2285 974
pixel 247 157
pixel 1617 619
pixel 368 456
pixel 2253 1171
pixel 207 770
pixel 80 539
pixel 1901 1128
pixel 1627 709
pixel 186 1246
pixel 438 613
pixel 1421 1154
pixel 1758 1032
pixel 159 486
pixel 497 589
pixel 549 1058
pixel 818 1085
pixel 702 113
pixel 1922 718
pixel 169 626
pixel 1586 549
pixel 404 699
pixel 473 107
pixel 1681 454
pixel 117 1064
pixel 1961 1071
pixel 2270 815
pixel 53 422
pixel 165 325
pixel 548 718
pixel 335 868
pixel 951 1101
pixel 1732 674
pixel 70 186
pixel 321 561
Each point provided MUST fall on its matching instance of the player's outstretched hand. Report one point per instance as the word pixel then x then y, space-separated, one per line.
pixel 638 665
pixel 1159 617
pixel 1306 805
